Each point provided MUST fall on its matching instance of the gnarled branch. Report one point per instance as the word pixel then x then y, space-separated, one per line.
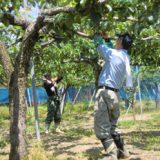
pixel 34 28
pixel 69 9
pixel 102 1
pixel 13 20
pixel 91 36
pixel 54 11
pixel 83 34
pixel 151 38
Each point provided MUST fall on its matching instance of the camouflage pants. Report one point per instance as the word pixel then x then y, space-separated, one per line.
pixel 106 114
pixel 53 111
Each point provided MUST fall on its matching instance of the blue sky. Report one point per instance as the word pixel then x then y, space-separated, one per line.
pixel 29 13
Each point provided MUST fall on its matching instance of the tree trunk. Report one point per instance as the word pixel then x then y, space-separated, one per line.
pixel 18 116
pixel 17 89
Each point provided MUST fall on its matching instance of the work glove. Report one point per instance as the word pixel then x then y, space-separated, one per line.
pixel 104 36
pixel 107 39
pixel 98 40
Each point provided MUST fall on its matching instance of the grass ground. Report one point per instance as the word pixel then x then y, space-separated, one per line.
pixel 142 136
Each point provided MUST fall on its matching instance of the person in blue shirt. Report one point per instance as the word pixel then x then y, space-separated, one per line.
pixel 106 110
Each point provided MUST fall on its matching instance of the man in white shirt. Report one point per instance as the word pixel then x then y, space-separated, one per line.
pixel 114 72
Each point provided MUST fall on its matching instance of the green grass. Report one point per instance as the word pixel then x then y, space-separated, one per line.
pixel 3 142
pixel 146 134
pixel 127 124
pixel 79 131
pixel 37 152
pixel 4 116
pixel 143 134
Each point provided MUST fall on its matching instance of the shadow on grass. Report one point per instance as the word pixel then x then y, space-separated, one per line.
pixel 80 131
pixel 146 140
pixel 4 153
pixel 71 146
pixel 93 153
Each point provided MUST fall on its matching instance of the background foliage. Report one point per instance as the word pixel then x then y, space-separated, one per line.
pixel 65 52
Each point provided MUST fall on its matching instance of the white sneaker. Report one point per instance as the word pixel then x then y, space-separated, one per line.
pixel 57 130
pixel 46 131
pixel 46 128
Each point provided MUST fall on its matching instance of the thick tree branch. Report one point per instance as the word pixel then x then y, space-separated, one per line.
pixel 150 38
pixel 48 21
pixel 80 60
pixel 69 9
pixel 6 61
pixel 14 43
pixel 13 20
pixel 101 1
pixel 121 19
pixel 125 19
pixel 54 11
pixel 45 44
pixel 34 28
pixel 91 36
pixel 83 34
pixel 88 61
pixel 30 38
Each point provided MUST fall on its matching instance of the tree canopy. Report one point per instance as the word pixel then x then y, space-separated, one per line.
pixel 65 21
pixel 58 35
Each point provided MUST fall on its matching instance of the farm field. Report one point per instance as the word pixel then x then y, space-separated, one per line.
pixel 142 137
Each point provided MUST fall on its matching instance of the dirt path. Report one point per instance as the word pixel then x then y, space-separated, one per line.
pixel 85 146
pixel 89 148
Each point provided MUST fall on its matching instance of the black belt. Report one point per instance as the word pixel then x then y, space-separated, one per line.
pixel 110 88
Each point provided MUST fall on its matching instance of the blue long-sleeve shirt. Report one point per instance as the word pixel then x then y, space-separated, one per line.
pixel 116 68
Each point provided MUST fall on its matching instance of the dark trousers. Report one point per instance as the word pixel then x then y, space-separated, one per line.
pixel 53 110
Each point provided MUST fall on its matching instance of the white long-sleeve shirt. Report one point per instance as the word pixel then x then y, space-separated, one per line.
pixel 116 68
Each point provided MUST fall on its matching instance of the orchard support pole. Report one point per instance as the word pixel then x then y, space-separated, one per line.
pixel 94 92
pixel 139 92
pixel 35 100
pixel 62 99
pixel 62 103
pixel 74 101
pixel 76 96
pixel 29 97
